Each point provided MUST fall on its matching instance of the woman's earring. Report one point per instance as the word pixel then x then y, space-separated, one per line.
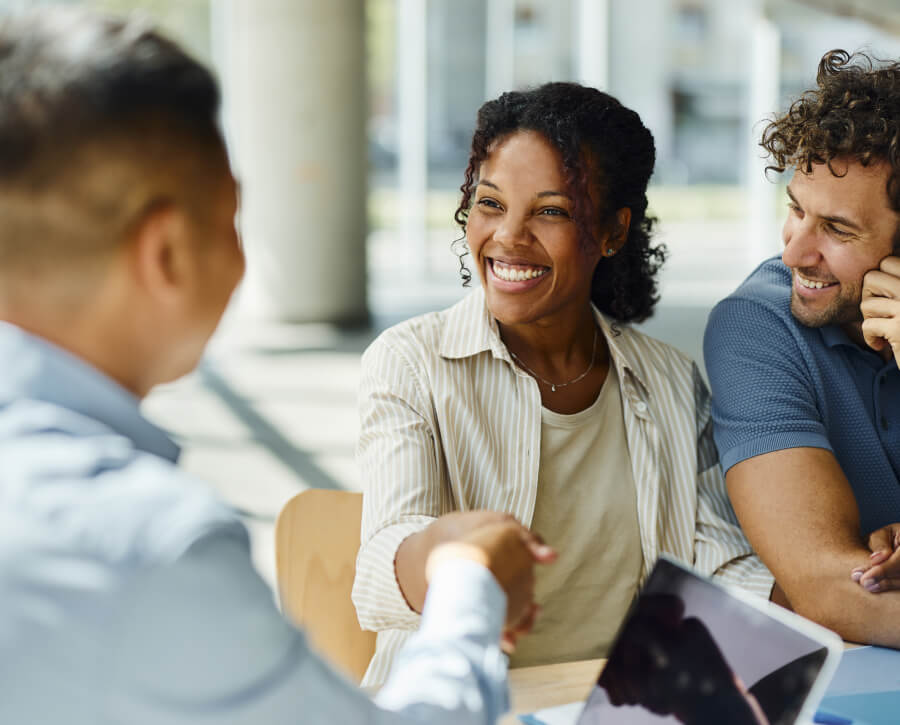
pixel 610 252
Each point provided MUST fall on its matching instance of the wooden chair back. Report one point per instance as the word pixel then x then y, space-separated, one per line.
pixel 316 542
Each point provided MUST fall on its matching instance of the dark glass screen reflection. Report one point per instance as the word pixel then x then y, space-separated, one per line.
pixel 690 653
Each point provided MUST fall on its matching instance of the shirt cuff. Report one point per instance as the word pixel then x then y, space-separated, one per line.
pixel 770 443
pixel 750 574
pixel 454 661
pixel 379 602
pixel 464 599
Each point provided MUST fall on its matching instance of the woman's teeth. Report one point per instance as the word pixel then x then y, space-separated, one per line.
pixel 517 272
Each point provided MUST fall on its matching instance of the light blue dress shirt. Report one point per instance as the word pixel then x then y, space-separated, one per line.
pixel 127 594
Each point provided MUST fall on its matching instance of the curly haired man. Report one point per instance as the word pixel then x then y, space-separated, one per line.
pixel 802 359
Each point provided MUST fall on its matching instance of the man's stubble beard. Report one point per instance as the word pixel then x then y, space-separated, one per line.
pixel 842 310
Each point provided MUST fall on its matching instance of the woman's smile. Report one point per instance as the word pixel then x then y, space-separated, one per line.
pixel 510 276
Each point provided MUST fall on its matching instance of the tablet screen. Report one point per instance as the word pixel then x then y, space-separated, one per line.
pixel 691 652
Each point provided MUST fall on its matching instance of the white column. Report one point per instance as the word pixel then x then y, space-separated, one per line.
pixel 500 55
pixel 640 69
pixel 412 139
pixel 294 85
pixel 765 66
pixel 591 32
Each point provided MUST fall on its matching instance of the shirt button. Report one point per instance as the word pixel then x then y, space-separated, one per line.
pixel 884 423
pixel 640 407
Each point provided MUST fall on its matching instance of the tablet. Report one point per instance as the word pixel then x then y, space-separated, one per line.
pixel 696 652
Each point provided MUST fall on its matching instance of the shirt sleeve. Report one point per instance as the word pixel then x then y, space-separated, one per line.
pixel 721 549
pixel 200 641
pixel 401 468
pixel 763 397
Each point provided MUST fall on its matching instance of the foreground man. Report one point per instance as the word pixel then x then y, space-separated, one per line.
pixel 126 591
pixel 802 360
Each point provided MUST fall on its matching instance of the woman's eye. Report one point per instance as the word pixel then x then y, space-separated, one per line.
pixel 553 211
pixel 795 209
pixel 488 202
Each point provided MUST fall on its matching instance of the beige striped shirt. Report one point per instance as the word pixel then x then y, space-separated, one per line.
pixel 449 423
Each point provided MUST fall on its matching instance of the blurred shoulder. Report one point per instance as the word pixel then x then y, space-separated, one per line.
pixel 765 293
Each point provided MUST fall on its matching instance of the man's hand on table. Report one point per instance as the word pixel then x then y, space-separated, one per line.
pixel 882 572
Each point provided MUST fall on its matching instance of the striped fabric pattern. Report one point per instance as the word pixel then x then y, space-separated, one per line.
pixel 449 422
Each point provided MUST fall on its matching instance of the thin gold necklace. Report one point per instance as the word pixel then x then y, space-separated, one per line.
pixel 554 386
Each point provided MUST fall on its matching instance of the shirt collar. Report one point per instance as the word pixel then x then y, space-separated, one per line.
pixel 470 329
pixel 35 369
pixel 833 336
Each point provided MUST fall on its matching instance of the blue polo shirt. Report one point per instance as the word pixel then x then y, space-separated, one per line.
pixel 778 384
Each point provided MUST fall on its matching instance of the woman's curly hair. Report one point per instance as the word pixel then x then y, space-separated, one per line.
pixel 604 148
pixel 853 112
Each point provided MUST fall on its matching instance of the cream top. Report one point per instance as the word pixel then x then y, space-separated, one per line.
pixel 587 591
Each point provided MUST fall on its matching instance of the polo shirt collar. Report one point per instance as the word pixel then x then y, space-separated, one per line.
pixel 470 329
pixel 35 369
pixel 834 335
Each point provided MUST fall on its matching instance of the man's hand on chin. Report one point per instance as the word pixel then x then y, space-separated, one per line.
pixel 880 306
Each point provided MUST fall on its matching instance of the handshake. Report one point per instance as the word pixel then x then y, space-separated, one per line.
pixel 503 546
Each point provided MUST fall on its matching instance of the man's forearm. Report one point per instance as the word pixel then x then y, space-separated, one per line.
pixel 452 669
pixel 829 597
pixel 799 513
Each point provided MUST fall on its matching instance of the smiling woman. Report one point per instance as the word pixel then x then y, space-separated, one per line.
pixel 533 398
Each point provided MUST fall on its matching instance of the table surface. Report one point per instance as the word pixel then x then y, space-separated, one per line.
pixel 534 688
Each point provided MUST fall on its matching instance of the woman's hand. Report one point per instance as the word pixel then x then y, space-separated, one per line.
pixel 509 551
pixel 882 572
pixel 413 552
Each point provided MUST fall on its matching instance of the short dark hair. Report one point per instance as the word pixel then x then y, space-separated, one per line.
pixel 854 111
pixel 604 147
pixel 81 94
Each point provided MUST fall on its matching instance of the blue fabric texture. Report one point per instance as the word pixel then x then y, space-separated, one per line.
pixel 778 384
pixel 127 592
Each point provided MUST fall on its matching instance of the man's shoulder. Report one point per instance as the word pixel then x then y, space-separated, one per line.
pixel 757 310
pixel 97 492
pixel 766 287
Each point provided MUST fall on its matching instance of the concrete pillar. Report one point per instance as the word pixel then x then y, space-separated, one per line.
pixel 591 33
pixel 295 108
pixel 639 68
pixel 762 103
pixel 412 120
pixel 500 42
